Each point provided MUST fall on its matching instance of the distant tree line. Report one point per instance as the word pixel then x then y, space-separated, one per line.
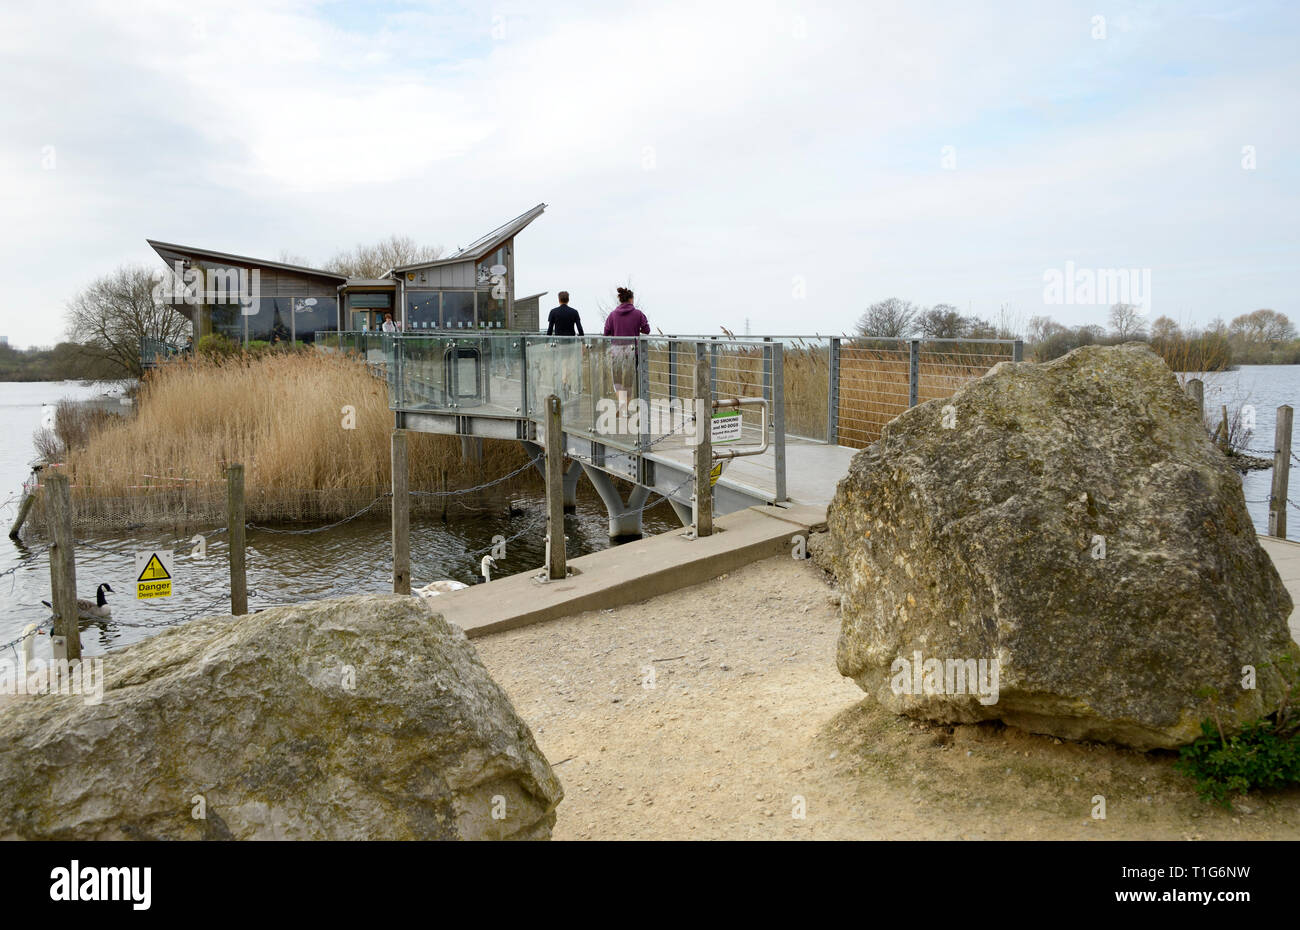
pixel 66 361
pixel 1260 337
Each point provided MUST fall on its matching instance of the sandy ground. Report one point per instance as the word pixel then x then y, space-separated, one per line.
pixel 717 712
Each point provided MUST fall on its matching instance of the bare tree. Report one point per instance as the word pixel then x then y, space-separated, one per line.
pixel 1042 328
pixel 374 261
pixel 889 317
pixel 1126 321
pixel 1263 326
pixel 942 321
pixel 1164 329
pixel 113 316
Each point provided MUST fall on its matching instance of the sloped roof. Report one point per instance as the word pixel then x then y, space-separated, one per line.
pixel 161 247
pixel 484 245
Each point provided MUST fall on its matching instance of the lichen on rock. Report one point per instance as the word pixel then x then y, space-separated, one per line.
pixel 362 717
pixel 1073 522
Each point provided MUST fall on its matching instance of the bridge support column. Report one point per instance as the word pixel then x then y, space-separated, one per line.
pixel 683 512
pixel 572 472
pixel 624 518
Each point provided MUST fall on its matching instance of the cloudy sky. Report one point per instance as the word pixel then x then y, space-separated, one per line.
pixel 785 163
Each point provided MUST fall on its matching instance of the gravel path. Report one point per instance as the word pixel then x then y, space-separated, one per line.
pixel 717 712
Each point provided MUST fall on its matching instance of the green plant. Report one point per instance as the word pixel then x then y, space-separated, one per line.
pixel 216 346
pixel 1264 753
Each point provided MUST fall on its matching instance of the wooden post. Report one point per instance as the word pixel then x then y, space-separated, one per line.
pixel 235 529
pixel 66 637
pixel 23 509
pixel 1196 391
pixel 1224 444
pixel 555 567
pixel 703 393
pixel 401 516
pixel 1281 471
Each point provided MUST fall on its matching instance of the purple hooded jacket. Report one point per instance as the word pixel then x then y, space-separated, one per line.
pixel 626 320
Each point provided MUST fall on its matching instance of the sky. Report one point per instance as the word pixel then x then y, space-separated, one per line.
pixel 776 166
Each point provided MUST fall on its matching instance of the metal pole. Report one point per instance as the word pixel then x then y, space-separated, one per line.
pixel 555 567
pixel 401 515
pixel 778 416
pixel 643 390
pixel 914 373
pixel 1018 351
pixel 703 498
pixel 66 636
pixel 713 369
pixel 1277 502
pixel 833 394
pixel 767 369
pixel 672 370
pixel 235 529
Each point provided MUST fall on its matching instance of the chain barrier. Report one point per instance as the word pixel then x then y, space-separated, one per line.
pixel 479 487
pixel 318 529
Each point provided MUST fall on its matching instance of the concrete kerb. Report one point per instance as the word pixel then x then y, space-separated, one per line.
pixel 631 572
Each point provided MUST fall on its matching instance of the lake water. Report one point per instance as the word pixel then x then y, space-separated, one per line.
pixel 281 568
pixel 354 557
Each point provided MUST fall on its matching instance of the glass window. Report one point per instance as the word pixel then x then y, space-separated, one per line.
pixel 370 301
pixel 270 321
pixel 497 258
pixel 491 311
pixel 422 310
pixel 227 321
pixel 457 309
pixel 312 315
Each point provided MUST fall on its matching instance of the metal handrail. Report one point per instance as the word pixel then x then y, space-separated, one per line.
pixel 737 451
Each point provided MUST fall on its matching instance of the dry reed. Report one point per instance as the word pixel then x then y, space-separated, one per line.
pixel 286 418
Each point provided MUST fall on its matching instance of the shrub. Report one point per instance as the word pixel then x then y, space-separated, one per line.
pixel 216 346
pixel 1264 754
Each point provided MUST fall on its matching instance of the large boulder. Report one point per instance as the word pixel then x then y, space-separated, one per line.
pixel 363 717
pixel 1072 521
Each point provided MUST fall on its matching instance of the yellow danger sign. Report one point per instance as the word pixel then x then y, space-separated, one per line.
pixel 715 473
pixel 153 574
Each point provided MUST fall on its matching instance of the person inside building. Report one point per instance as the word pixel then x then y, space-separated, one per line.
pixel 388 325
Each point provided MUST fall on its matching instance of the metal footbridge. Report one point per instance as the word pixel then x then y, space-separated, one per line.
pixel 629 407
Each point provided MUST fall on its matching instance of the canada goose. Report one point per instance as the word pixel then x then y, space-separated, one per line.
pixel 92 609
pixel 446 585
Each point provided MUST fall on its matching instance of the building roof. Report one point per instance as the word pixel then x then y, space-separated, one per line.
pixel 531 296
pixel 482 246
pixel 161 247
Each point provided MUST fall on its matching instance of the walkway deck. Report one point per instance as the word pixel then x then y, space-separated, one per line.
pixel 1286 557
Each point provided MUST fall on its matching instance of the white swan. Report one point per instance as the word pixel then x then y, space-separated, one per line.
pixel 30 632
pixel 446 585
pixel 91 610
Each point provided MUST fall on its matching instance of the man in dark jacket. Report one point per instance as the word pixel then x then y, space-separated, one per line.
pixel 564 320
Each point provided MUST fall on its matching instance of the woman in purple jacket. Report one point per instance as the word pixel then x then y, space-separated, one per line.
pixel 625 321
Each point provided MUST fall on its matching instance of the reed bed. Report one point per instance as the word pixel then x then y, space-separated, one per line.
pixel 311 429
